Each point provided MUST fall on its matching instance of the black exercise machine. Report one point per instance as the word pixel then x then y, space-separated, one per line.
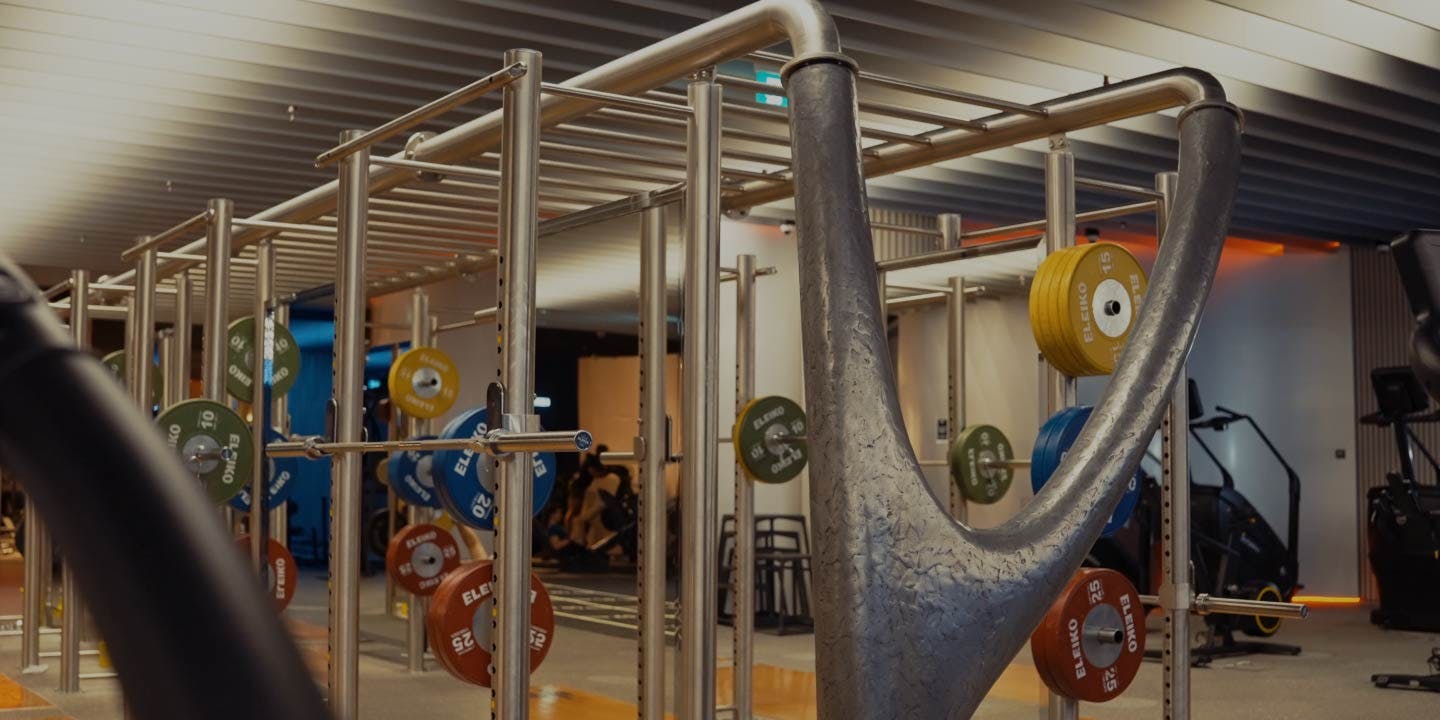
pixel 1404 517
pixel 1236 552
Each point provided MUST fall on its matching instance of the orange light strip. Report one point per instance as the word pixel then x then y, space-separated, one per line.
pixel 1327 600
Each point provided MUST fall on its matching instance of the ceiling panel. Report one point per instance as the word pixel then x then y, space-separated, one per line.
pixel 125 115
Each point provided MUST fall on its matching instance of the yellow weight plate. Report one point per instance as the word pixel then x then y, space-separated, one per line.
pixel 424 382
pixel 1073 357
pixel 1103 296
pixel 1041 301
pixel 1048 310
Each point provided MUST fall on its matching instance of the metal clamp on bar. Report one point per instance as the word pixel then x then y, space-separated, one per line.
pixel 1205 604
pixel 495 442
pixel 439 106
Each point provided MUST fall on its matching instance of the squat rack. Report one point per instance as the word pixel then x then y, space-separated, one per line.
pixel 731 35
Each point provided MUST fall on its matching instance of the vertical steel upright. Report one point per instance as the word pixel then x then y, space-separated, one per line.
pixel 351 212
pixel 262 344
pixel 742 587
pixel 655 443
pixel 139 357
pixel 69 591
pixel 1058 390
pixel 514 479
pixel 279 517
pixel 699 492
pixel 1175 590
pixel 165 349
pixel 184 335
pixel 217 297
pixel 955 367
pixel 420 336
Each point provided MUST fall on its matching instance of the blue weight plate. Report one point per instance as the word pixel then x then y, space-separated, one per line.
pixel 1055 438
pixel 280 472
pixel 465 479
pixel 412 476
pixel 1045 457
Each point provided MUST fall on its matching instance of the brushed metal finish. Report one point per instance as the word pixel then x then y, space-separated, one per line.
pixel 217 246
pixel 349 380
pixel 653 429
pixel 699 492
pixel 742 575
pixel 519 229
pixel 904 595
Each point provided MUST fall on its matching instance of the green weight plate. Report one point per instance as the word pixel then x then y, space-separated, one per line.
pixel 240 359
pixel 969 454
pixel 760 437
pixel 213 443
pixel 116 362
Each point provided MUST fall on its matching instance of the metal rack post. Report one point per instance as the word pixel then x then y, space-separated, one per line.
pixel 1175 589
pixel 698 494
pixel 421 335
pixel 179 376
pixel 1058 389
pixel 280 516
pixel 743 575
pixel 263 352
pixel 655 443
pixel 955 365
pixel 70 621
pixel 345 491
pixel 514 478
pixel 217 294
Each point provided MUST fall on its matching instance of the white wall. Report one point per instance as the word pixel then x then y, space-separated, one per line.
pixel 472 348
pixel 1001 388
pixel 778 362
pixel 1276 343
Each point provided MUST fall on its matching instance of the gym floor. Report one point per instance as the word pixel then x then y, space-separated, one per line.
pixel 590 675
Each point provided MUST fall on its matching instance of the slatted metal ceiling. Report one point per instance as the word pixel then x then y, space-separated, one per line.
pixel 124 115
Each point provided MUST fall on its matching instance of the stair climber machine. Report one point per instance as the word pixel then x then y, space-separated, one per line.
pixel 1235 551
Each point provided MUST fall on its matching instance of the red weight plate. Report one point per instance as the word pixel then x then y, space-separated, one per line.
pixel 280 583
pixel 420 556
pixel 460 620
pixel 1070 659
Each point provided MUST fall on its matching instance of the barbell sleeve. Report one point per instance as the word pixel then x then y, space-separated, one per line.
pixel 1205 604
pixel 496 442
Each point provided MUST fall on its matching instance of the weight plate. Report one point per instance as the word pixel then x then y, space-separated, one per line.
pixel 1042 310
pixel 1090 644
pixel 116 362
pixel 420 556
pixel 280 577
pixel 213 443
pixel 461 617
pixel 1054 440
pixel 969 454
pixel 280 472
pixel 464 480
pixel 240 359
pixel 1060 350
pixel 1102 301
pixel 759 436
pixel 411 474
pixel 424 382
